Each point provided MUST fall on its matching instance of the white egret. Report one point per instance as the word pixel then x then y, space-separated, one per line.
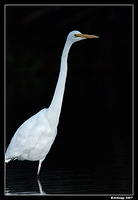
pixel 33 139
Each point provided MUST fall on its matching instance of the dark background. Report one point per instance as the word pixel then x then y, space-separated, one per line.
pixel 95 122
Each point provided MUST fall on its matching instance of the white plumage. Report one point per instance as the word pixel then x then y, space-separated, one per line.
pixel 33 139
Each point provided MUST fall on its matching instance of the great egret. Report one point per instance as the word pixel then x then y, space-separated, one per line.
pixel 33 139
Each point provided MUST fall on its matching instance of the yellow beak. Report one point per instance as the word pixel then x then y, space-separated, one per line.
pixel 86 36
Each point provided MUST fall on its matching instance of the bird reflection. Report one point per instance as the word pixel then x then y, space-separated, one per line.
pixel 14 192
pixel 40 186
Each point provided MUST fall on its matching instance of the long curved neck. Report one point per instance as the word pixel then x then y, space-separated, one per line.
pixel 56 103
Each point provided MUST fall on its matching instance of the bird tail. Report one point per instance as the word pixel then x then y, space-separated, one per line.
pixel 7 159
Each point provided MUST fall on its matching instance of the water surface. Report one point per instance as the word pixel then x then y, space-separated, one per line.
pixel 86 178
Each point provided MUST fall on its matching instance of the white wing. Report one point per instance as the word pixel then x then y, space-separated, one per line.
pixel 32 140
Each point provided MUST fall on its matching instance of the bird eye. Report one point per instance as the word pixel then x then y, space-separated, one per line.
pixel 75 35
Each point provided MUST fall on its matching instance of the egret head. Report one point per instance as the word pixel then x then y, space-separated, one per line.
pixel 75 36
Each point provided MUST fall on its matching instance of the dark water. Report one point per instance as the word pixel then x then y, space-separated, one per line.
pixel 60 178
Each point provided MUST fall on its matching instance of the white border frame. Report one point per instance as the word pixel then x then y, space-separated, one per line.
pixel 112 195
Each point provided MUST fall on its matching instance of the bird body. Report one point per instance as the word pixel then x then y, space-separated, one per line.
pixel 33 139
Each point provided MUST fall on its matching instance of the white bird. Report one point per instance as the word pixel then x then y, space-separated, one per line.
pixel 33 139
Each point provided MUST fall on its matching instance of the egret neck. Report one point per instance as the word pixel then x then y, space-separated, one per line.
pixel 56 103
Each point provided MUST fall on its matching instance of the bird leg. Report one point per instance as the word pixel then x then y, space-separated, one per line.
pixel 39 167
